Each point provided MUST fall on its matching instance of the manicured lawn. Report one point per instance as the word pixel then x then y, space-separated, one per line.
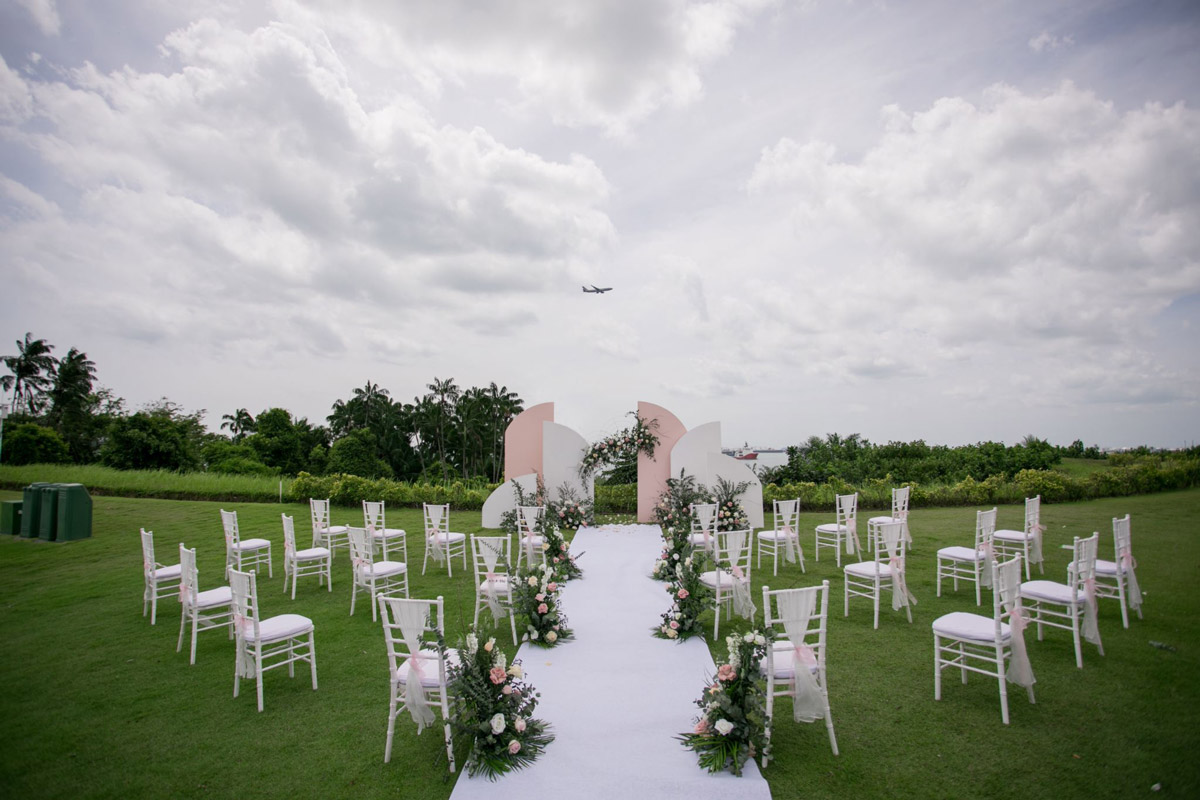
pixel 96 702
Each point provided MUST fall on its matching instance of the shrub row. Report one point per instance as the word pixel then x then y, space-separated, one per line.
pixel 350 490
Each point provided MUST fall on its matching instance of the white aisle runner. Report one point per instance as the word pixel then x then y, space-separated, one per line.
pixel 616 696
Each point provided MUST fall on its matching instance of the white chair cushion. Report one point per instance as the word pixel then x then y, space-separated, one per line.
pixel 831 527
pixel 429 669
pixel 1049 591
pixel 1102 567
pixel 961 554
pixel 252 544
pixel 883 520
pixel 387 533
pixel 173 572
pixel 712 577
pixel 311 554
pixel 776 536
pixel 536 540
pixel 385 569
pixel 337 529
pixel 282 626
pixel 499 583
pixel 1012 536
pixel 782 662
pixel 214 598
pixel 973 627
pixel 867 569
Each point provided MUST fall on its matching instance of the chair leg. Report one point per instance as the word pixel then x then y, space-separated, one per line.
pixel 1121 598
pixel 1075 634
pixel 937 668
pixel 829 722
pixel 193 656
pixel 391 729
pixel 182 624
pixel 877 604
pixel 312 657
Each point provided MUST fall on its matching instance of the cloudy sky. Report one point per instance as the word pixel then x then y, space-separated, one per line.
pixel 939 220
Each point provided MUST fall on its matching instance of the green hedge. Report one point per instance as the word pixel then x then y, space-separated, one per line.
pixel 350 490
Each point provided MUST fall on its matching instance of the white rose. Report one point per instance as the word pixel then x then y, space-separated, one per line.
pixel 748 638
pixel 551 637
pixel 516 671
pixel 498 724
pixel 723 727
pixel 532 581
pixel 760 639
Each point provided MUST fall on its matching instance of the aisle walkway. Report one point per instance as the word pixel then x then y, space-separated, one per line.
pixel 617 696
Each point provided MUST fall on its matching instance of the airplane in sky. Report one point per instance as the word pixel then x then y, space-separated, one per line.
pixel 597 290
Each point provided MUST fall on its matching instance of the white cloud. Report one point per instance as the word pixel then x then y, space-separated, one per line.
pixel 45 15
pixel 1049 41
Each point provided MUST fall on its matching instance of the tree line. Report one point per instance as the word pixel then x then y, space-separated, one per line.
pixel 60 415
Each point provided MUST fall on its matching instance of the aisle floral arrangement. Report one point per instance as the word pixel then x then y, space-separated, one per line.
pixel 733 724
pixel 730 514
pixel 689 599
pixel 673 512
pixel 536 597
pixel 549 525
pixel 493 707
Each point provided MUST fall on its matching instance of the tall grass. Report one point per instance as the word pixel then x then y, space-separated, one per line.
pixel 149 483
pixel 97 703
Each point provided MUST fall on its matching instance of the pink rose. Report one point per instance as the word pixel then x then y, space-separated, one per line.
pixel 520 724
pixel 552 586
pixel 682 594
pixel 514 747
pixel 507 689
pixel 674 625
pixel 557 559
pixel 497 675
pixel 539 597
pixel 701 726
pixel 726 672
pixel 543 608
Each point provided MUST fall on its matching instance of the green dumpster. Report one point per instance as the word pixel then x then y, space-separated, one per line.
pixel 10 517
pixel 31 510
pixel 48 515
pixel 74 512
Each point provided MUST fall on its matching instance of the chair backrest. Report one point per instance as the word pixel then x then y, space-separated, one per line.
pixel 189 577
pixel 405 621
pixel 900 502
pixel 374 515
pixel 437 518
pixel 985 527
pixel 847 508
pixel 733 551
pixel 1122 540
pixel 528 518
pixel 1006 583
pixel 319 509
pixel 704 517
pixel 148 561
pixel 787 514
pixel 780 604
pixel 244 587
pixel 1033 512
pixel 362 549
pixel 230 524
pixel 890 542
pixel 490 555
pixel 1083 566
pixel 289 534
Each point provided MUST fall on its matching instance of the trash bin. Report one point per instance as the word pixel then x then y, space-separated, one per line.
pixel 48 515
pixel 31 510
pixel 10 517
pixel 74 512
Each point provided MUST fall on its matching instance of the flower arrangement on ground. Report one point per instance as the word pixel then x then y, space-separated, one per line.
pixel 536 596
pixel 730 514
pixel 673 512
pixel 689 599
pixel 638 438
pixel 733 724
pixel 493 707
pixel 556 548
pixel 569 511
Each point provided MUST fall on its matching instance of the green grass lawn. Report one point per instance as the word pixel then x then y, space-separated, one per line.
pixel 96 702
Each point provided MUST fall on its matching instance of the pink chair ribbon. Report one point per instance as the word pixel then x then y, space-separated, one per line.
pixel 901 596
pixel 789 546
pixel 1020 671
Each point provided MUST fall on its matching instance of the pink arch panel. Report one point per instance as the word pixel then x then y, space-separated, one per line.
pixel 653 473
pixel 523 441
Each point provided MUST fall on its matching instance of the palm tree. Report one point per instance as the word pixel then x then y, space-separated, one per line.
pixel 239 423
pixel 504 406
pixel 444 395
pixel 33 370
pixel 72 383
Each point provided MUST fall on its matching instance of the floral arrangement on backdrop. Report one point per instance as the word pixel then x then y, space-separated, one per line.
pixel 732 726
pixel 493 707
pixel 569 511
pixel 638 438
pixel 536 597
pixel 689 599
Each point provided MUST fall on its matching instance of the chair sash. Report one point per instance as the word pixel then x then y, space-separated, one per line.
pixel 1020 671
pixel 433 533
pixel 491 555
pixel 743 603
pixel 985 576
pixel 1091 631
pixel 1133 592
pixel 411 619
pixel 1035 547
pixel 246 662
pixel 901 596
pixel 852 542
pixel 795 609
pixel 789 548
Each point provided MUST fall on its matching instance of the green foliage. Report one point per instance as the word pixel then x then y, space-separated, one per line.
pixel 355 454
pixel 351 490
pixel 28 443
pixel 224 456
pixel 149 440
pixel 284 443
pixel 535 592
pixel 165 484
